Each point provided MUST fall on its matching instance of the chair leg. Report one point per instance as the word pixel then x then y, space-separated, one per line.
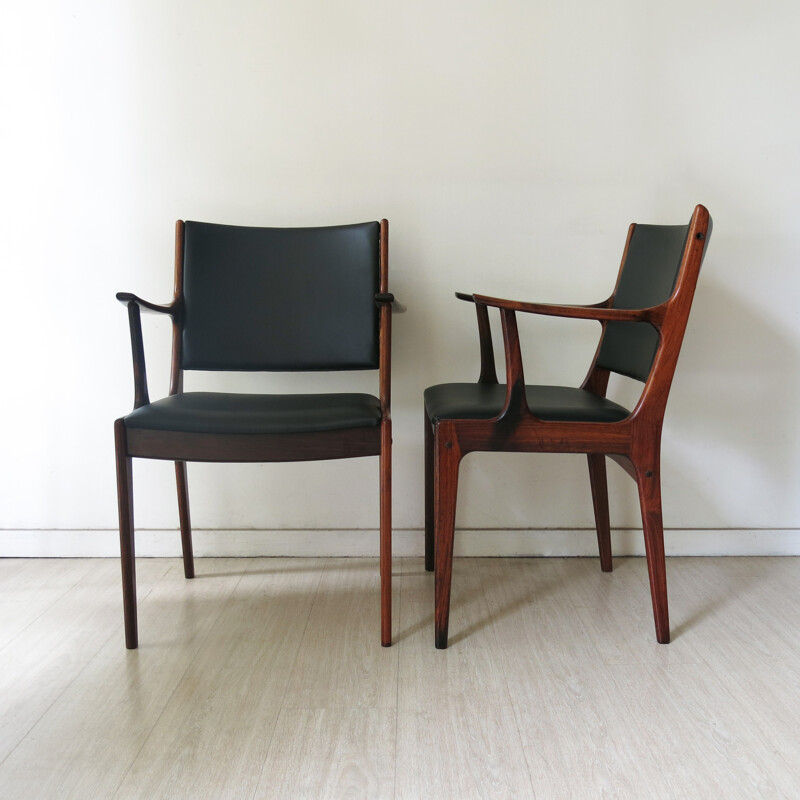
pixel 126 546
pixel 649 484
pixel 429 518
pixel 386 532
pixel 597 478
pixel 186 523
pixel 447 456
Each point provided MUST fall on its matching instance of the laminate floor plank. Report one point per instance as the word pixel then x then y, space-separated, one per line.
pixel 84 744
pixel 265 678
pixel 732 627
pixel 467 668
pixel 340 663
pixel 466 748
pixel 42 660
pixel 762 585
pixel 30 586
pixel 577 741
pixel 703 740
pixel 533 619
pixel 617 611
pixel 470 618
pixel 214 733
pixel 327 754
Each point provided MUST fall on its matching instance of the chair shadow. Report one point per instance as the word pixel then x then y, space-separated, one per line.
pixel 539 592
pixel 283 571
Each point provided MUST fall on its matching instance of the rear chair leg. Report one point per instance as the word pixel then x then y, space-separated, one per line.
pixel 447 459
pixel 186 523
pixel 597 478
pixel 126 545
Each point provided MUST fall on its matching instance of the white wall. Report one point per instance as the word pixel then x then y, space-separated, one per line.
pixel 508 143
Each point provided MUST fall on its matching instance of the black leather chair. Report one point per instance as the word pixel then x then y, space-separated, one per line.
pixel 643 324
pixel 265 299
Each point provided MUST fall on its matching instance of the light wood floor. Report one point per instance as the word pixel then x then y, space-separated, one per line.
pixel 264 678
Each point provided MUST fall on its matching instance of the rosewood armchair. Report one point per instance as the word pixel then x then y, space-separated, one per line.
pixel 643 323
pixel 264 299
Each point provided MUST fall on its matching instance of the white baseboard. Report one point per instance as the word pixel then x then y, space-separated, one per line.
pixel 406 543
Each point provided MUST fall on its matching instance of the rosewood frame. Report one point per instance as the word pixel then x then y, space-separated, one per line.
pixel 633 442
pixel 181 447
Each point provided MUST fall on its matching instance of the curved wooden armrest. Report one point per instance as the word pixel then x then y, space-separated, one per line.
pixel 472 299
pixel 126 298
pixel 601 313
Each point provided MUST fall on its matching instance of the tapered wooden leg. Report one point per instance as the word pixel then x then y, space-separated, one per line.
pixel 597 478
pixel 429 518
pixel 386 532
pixel 186 523
pixel 447 456
pixel 649 483
pixel 126 546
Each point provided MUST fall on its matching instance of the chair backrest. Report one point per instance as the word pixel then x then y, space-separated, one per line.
pixel 659 260
pixel 277 299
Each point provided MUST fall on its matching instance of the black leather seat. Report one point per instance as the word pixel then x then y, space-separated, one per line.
pixel 552 403
pixel 223 413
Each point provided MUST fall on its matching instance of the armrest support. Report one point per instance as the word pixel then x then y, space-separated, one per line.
pixel 516 407
pixel 126 298
pixel 135 306
pixel 601 313
pixel 141 396
pixel 488 370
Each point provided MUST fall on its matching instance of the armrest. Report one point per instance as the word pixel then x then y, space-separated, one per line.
pixel 472 299
pixel 601 313
pixel 135 306
pixel 126 298
pixel 387 298
pixel 488 370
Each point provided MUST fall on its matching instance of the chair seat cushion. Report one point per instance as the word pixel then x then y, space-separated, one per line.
pixel 226 413
pixel 552 403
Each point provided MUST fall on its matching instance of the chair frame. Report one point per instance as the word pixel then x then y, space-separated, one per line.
pixel 634 442
pixel 181 447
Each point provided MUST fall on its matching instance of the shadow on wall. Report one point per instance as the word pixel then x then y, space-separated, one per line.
pixel 726 434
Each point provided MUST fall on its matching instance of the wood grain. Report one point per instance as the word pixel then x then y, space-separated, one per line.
pixel 256 681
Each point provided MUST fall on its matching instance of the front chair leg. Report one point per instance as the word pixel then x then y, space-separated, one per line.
pixel 386 532
pixel 429 480
pixel 649 484
pixel 599 482
pixel 447 456
pixel 126 545
pixel 186 524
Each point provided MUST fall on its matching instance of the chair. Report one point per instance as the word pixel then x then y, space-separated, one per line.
pixel 266 299
pixel 643 323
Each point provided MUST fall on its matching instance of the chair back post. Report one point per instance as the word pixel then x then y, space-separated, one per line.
pixel 385 330
pixel 653 400
pixel 176 373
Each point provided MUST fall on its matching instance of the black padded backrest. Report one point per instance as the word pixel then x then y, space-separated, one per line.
pixel 648 276
pixel 280 298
